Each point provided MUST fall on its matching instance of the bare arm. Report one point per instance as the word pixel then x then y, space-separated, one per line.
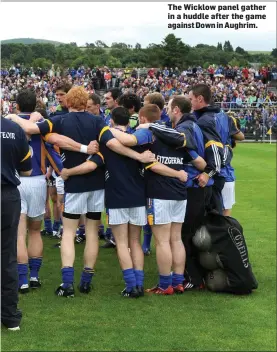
pixel 26 173
pixel 85 168
pixel 28 126
pixel 239 136
pixel 69 144
pixel 199 163
pixel 164 170
pixel 61 141
pixel 124 138
pixel 117 147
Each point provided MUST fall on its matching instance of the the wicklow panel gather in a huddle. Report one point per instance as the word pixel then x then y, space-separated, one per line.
pixel 164 170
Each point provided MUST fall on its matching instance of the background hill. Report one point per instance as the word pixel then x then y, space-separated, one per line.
pixel 29 41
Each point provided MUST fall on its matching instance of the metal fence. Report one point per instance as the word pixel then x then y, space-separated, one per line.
pixel 235 107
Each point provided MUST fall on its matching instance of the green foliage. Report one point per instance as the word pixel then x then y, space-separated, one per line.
pixel 219 46
pixel 171 52
pixel 227 47
pixel 241 51
pixel 174 51
pixel 42 63
pixel 274 53
pixel 114 62
pixel 234 62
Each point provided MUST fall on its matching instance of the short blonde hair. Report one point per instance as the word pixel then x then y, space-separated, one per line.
pixel 77 98
pixel 151 112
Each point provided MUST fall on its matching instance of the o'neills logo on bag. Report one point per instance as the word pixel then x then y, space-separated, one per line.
pixel 238 241
pixel 169 160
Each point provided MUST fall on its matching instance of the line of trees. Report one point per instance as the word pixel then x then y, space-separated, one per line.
pixel 171 52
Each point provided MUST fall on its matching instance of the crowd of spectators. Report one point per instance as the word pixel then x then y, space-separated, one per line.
pixel 243 90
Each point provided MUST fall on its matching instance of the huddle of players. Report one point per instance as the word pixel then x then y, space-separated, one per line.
pixel 141 176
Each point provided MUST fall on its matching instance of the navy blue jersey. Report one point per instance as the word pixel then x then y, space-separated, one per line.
pixel 157 186
pixel 228 173
pixel 80 127
pixel 194 136
pixel 186 133
pixel 124 180
pixel 15 153
pixel 226 128
pixel 42 154
pixel 206 120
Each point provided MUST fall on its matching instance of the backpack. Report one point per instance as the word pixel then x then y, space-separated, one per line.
pixel 230 250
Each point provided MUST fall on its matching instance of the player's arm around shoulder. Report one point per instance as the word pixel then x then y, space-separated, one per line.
pixel 88 166
pixel 28 126
pixel 129 140
pixel 164 170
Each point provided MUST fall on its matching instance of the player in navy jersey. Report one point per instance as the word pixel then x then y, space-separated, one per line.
pixel 157 99
pixel 111 97
pixel 93 106
pixel 125 199
pixel 33 195
pixel 200 97
pixel 15 162
pixel 228 130
pixel 166 201
pixel 84 193
pixel 188 133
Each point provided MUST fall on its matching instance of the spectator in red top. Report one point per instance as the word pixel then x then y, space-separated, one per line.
pixel 211 72
pixel 245 72
pixel 151 73
pixel 264 73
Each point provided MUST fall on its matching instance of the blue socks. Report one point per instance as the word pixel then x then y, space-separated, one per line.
pixel 34 265
pixel 81 230
pixel 139 274
pixel 22 274
pixel 48 225
pixel 56 225
pixel 101 230
pixel 109 235
pixel 67 276
pixel 177 279
pixel 165 281
pixel 87 275
pixel 129 278
pixel 147 237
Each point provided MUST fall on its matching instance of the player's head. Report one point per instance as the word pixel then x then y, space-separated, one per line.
pixel 149 113
pixel 120 116
pixel 77 98
pixel 61 91
pixel 111 98
pixel 93 104
pixel 131 102
pixel 177 107
pixel 155 98
pixel 200 96
pixel 26 101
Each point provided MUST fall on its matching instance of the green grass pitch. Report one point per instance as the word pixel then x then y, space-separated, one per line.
pixel 195 321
